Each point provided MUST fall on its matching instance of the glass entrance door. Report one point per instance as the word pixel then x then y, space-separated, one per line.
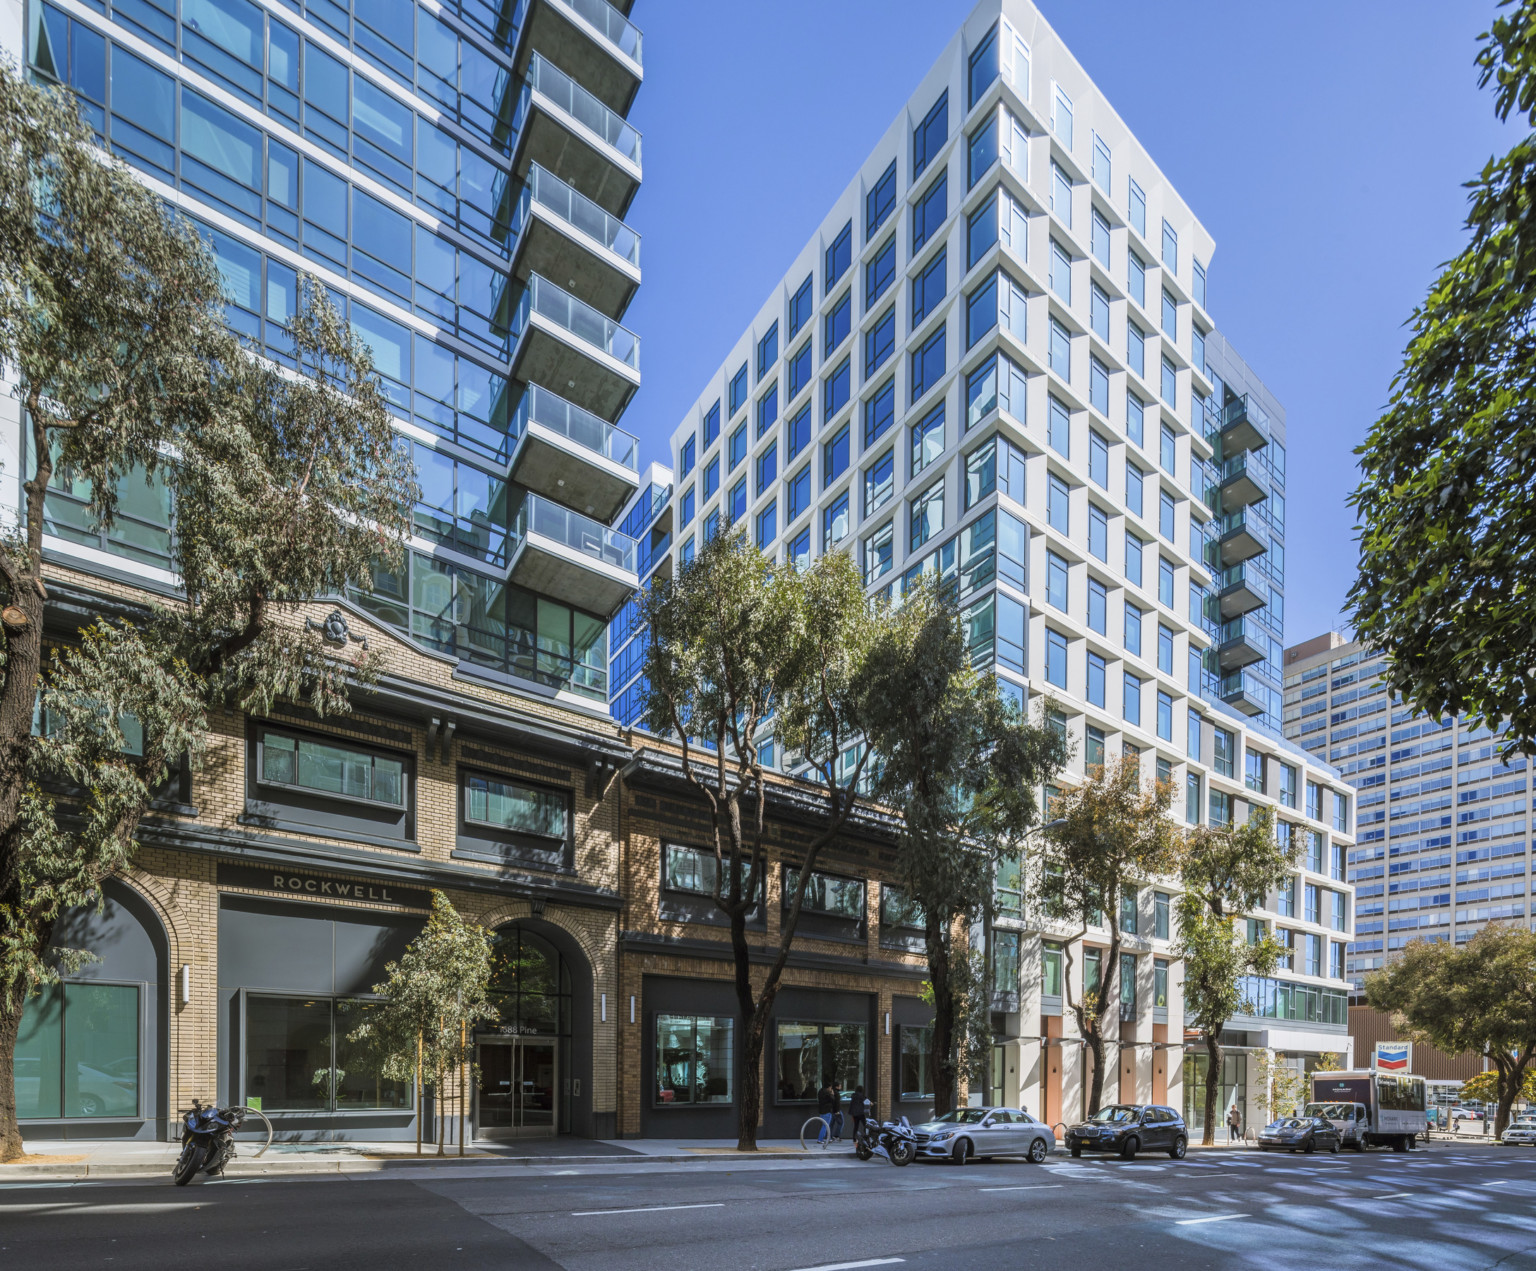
pixel 518 1084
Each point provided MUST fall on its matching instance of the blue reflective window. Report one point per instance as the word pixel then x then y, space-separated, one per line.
pixel 711 476
pixel 768 409
pixel 1098 606
pixel 736 501
pixel 1133 546
pixel 1061 272
pixel 1170 315
pixel 839 256
pixel 1166 512
pixel 686 458
pixel 1138 206
pixel 879 482
pixel 928 363
pixel 685 507
pixel 980 232
pixel 879 412
pixel 799 492
pixel 801 305
pixel 838 323
pixel 928 288
pixel 880 200
pixel 1061 350
pixel 711 425
pixel 797 433
pixel 738 390
pixel 834 521
pixel 980 311
pixel 1098 386
pixel 1170 384
pixel 1055 658
pixel 836 390
pixel 799 370
pixel 1098 532
pixel 929 136
pixel 928 439
pixel 982 69
pixel 221 156
pixel 767 350
pixel 1098 311
pixel 798 553
pixel 1059 429
pixel 879 272
pixel 834 457
pixel 1170 247
pixel 879 341
pixel 1098 459
pixel 1096 671
pixel 1132 629
pixel 1132 699
pixel 929 212
pixel 146 99
pixel 1061 194
pixel 767 526
pixel 1058 505
pixel 1056 581
pixel 736 447
pixel 1135 411
pixel 1135 348
pixel 981 153
pixel 1133 487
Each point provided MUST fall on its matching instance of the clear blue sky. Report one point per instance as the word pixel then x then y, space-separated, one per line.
pixel 1324 145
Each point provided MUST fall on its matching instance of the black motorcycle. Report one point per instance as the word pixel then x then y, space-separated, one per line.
pixel 893 1140
pixel 208 1139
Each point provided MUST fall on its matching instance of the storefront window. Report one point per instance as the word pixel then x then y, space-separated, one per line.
pixel 916 1076
pixel 694 1059
pixel 298 1057
pixel 77 1054
pixel 811 1055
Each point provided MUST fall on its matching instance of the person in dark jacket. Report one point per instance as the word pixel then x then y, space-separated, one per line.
pixel 826 1106
pixel 858 1109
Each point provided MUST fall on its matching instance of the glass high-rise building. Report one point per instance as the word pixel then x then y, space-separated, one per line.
pixel 995 362
pixel 457 176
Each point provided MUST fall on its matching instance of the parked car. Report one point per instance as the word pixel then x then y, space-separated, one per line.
pixel 970 1132
pixel 1128 1128
pixel 1467 1114
pixel 1299 1134
pixel 1521 1131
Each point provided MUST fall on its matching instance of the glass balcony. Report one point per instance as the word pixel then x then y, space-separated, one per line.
pixel 1242 643
pixel 623 34
pixel 591 538
pixel 1243 536
pixel 577 317
pixel 540 406
pixel 577 211
pixel 1244 480
pixel 570 97
pixel 1245 692
pixel 1244 425
pixel 1244 588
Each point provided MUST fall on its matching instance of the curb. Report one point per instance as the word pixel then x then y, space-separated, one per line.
pixel 362 1165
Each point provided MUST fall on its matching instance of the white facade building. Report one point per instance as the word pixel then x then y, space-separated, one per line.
pixel 989 362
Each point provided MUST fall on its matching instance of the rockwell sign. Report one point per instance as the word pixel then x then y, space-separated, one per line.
pixel 321 886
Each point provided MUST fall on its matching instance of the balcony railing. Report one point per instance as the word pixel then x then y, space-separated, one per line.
pixel 579 318
pixel 540 406
pixel 577 211
pixel 1244 414
pixel 623 34
pixel 591 538
pixel 549 80
pixel 1245 521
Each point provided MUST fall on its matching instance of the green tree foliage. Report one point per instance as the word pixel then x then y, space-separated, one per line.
pixel 1281 1089
pixel 962 768
pixel 737 648
pixel 1106 837
pixel 283 489
pixel 1446 507
pixel 1484 1087
pixel 435 995
pixel 1478 997
pixel 1226 870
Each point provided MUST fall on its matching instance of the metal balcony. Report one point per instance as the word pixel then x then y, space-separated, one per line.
pixel 1243 536
pixel 1244 480
pixel 591 39
pixel 572 456
pixel 1242 644
pixel 1243 589
pixel 562 234
pixel 571 557
pixel 567 131
pixel 583 354
pixel 1244 426
pixel 1244 693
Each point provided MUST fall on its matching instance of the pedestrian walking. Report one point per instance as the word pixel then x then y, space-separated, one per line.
pixel 826 1105
pixel 1234 1125
pixel 858 1109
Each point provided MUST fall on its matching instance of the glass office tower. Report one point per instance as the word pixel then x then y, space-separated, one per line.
pixel 994 363
pixel 457 176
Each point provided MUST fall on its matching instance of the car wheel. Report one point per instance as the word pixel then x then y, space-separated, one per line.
pixel 1334 1147
pixel 1075 1150
pixel 962 1152
pixel 1179 1148
pixel 1037 1151
pixel 1309 1146
pixel 1129 1148
pixel 90 1105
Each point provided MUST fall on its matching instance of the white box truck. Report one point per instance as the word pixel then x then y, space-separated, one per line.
pixel 1372 1109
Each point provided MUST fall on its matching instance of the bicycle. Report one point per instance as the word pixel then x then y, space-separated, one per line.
pixel 817 1133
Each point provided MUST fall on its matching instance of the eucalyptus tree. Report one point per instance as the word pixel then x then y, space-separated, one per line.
pixel 741 650
pixel 1106 836
pixel 963 768
pixel 285 487
pixel 1226 870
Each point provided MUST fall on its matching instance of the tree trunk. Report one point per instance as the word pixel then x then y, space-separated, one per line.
pixel 941 1057
pixel 1095 1038
pixel 1511 1077
pixel 11 1002
pixel 1212 1082
pixel 754 1017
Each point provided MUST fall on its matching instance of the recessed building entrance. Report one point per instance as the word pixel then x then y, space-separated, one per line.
pixel 519 1087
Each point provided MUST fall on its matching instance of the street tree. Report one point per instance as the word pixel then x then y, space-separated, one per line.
pixel 1447 521
pixel 434 996
pixel 1105 838
pixel 1226 870
pixel 1281 1088
pixel 1479 997
pixel 961 766
pixel 1483 1087
pixel 283 489
pixel 740 650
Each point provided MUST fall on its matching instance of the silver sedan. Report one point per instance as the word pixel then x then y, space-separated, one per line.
pixel 965 1133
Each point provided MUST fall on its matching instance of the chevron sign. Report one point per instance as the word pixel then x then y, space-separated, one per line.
pixel 1392 1056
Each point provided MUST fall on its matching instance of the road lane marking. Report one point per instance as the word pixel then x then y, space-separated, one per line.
pixel 1503 1182
pixel 644 1209
pixel 1190 1222
pixel 1388 1196
pixel 1030 1187
pixel 851 1266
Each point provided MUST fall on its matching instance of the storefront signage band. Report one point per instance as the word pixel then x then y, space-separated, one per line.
pixel 322 887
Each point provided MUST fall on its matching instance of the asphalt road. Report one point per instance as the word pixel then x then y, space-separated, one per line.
pixel 1442 1208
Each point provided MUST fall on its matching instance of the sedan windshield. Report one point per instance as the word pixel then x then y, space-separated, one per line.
pixel 962 1116
pixel 1117 1114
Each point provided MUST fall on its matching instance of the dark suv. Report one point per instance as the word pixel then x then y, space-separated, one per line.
pixel 1128 1128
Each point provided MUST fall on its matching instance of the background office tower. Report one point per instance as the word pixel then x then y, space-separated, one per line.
pixel 994 362
pixel 458 181
pixel 1443 844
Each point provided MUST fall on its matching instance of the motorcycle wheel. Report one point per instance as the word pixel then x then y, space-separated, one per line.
pixel 192 1157
pixel 903 1152
pixel 862 1150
